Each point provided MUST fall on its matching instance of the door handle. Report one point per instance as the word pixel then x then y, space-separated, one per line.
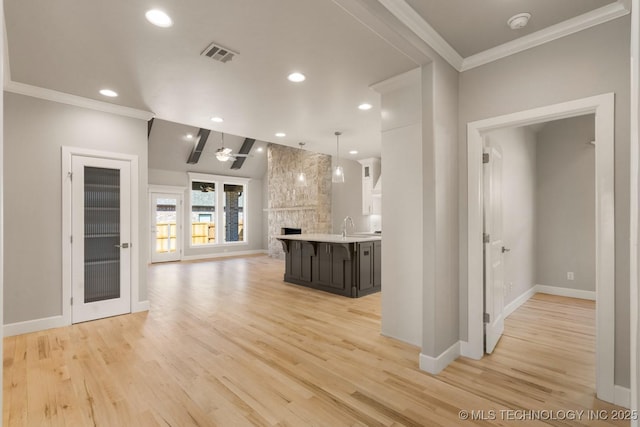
pixel 123 246
pixel 505 249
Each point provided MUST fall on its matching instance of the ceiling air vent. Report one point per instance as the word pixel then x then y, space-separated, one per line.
pixel 218 53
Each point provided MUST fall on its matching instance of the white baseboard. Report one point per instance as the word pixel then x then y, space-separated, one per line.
pixel 566 292
pixel 466 351
pixel 435 365
pixel 622 396
pixel 140 306
pixel 223 255
pixel 45 323
pixel 513 305
pixel 36 325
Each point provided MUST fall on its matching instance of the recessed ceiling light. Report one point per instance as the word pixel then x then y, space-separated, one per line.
pixel 296 77
pixel 217 119
pixel 519 21
pixel 189 136
pixel 364 106
pixel 281 134
pixel 159 18
pixel 353 152
pixel 108 92
pixel 259 149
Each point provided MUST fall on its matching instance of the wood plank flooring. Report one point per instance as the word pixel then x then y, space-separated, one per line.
pixel 228 343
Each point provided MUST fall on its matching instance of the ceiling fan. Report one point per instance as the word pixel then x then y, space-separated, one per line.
pixel 224 154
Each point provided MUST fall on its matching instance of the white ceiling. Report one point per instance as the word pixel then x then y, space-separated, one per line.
pixel 79 47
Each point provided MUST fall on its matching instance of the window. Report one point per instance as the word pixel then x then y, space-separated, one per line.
pixel 210 224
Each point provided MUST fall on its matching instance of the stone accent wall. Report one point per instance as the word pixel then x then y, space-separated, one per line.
pixel 291 205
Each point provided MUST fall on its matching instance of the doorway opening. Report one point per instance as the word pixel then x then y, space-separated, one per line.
pixel 602 106
pixel 166 208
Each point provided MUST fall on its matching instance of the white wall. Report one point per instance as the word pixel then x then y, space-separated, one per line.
pixel 591 62
pixel 518 146
pixel 566 201
pixel 346 198
pixel 34 132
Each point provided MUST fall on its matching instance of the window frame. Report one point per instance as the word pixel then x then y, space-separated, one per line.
pixel 219 181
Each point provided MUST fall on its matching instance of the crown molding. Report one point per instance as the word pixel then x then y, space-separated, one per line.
pixel 408 16
pixel 554 32
pixel 78 101
pixel 6 69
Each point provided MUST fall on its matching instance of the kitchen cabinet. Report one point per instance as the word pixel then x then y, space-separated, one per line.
pixel 334 267
pixel 348 266
pixel 369 273
pixel 298 260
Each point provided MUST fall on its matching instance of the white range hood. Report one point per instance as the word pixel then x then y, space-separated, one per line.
pixel 377 189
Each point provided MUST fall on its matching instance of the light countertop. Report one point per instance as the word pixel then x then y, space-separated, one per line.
pixel 328 238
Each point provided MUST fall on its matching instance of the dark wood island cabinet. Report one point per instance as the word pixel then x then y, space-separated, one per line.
pixel 348 266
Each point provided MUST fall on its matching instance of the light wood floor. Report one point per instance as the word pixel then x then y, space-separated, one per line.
pixel 227 343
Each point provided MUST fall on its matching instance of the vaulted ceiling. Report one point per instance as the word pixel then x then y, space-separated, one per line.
pixel 81 46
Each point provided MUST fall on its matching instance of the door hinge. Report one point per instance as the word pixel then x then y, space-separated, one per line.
pixel 70 239
pixel 485 157
pixel 70 175
pixel 486 318
pixel 485 238
pixel 71 300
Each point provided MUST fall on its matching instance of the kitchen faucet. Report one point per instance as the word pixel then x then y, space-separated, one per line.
pixel 344 225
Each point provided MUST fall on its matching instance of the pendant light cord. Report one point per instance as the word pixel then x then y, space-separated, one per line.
pixel 338 148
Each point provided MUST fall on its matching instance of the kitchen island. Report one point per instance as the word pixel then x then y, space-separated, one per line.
pixel 348 266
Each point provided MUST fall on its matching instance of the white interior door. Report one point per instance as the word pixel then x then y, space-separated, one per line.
pixel 101 236
pixel 493 250
pixel 166 227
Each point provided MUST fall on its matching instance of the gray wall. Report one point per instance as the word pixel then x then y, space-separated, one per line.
pixel 440 208
pixel 420 298
pixel 518 147
pixel 2 56
pixel 402 219
pixel 566 204
pixel 591 62
pixel 34 132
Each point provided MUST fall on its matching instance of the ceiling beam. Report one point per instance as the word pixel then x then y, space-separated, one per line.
pixel 247 145
pixel 201 141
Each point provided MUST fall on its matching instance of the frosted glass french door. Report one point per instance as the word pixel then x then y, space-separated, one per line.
pixel 101 224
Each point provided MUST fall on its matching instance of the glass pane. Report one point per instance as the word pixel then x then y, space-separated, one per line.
pixel 203 207
pixel 166 215
pixel 101 234
pixel 233 213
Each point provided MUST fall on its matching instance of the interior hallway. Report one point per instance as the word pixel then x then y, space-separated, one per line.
pixel 226 342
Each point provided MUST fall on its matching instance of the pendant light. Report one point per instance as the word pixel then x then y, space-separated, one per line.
pixel 338 172
pixel 301 177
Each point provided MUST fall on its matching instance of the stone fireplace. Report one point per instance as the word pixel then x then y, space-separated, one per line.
pixel 291 205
